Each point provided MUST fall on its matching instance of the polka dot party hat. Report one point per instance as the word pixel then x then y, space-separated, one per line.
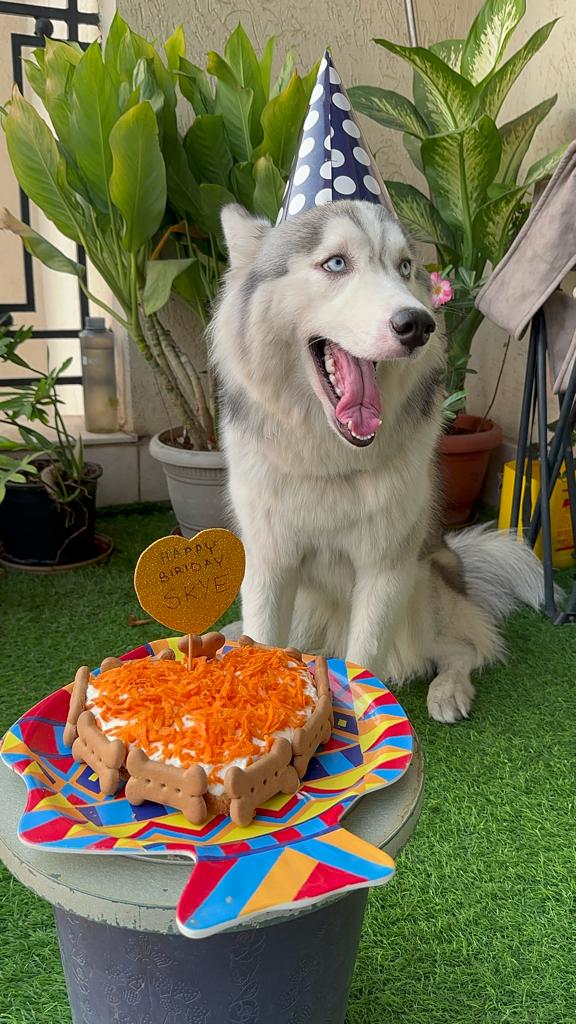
pixel 332 161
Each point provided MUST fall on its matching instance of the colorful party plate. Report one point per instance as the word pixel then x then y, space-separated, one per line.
pixel 294 854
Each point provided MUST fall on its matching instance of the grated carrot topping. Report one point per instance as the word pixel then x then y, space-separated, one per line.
pixel 213 713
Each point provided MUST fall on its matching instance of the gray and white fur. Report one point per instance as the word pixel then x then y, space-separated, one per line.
pixel 344 550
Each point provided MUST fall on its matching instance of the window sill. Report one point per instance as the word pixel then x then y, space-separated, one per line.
pixel 76 426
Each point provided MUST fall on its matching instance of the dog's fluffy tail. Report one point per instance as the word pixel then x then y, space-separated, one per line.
pixel 500 571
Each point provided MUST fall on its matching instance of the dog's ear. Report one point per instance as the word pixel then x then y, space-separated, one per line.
pixel 243 234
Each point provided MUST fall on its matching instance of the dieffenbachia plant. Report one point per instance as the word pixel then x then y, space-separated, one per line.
pixel 478 193
pixel 111 169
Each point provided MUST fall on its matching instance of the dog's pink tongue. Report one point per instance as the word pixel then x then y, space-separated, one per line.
pixel 359 407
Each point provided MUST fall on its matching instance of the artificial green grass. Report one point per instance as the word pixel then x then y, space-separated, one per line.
pixel 477 927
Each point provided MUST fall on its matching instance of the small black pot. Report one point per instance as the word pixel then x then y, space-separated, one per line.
pixel 36 530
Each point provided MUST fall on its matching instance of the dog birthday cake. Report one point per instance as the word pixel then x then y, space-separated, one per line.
pixel 222 734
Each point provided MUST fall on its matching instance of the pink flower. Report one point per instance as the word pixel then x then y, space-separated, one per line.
pixel 441 290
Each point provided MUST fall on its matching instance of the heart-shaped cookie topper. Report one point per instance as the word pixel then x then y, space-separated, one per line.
pixel 188 584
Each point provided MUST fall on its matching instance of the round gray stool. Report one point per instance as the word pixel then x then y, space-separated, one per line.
pixel 125 962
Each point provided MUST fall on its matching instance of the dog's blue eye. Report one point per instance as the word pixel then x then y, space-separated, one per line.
pixel 405 268
pixel 336 264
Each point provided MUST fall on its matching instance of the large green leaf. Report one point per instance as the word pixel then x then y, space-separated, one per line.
pixel 138 180
pixel 160 276
pixel 491 94
pixel 242 184
pixel 207 149
pixel 183 191
pixel 449 95
pixel 266 65
pixel 175 48
pixel 94 112
pixel 145 87
pixel 191 287
pixel 450 52
pixel 389 109
pixel 220 68
pixel 116 33
pixel 545 166
pixel 269 188
pixel 412 145
pixel 419 215
pixel 460 167
pixel 40 247
pixel 58 52
pixel 242 58
pixel 489 35
pixel 516 137
pixel 36 77
pixel 235 105
pixel 213 198
pixel 285 74
pixel 59 63
pixel 39 167
pixel 195 87
pixel 309 80
pixel 282 119
pixel 494 224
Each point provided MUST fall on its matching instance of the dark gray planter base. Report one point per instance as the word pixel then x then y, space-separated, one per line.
pixel 295 972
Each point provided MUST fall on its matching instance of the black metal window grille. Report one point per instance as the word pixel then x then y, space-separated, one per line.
pixel 43 16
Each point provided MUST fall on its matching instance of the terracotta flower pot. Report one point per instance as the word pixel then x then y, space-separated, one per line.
pixel 464 456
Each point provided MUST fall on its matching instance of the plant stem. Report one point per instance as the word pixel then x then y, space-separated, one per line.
pixel 498 379
pixel 186 367
pixel 468 254
pixel 100 302
pixel 190 420
pixel 460 342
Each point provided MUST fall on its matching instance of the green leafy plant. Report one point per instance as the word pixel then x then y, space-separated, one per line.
pixel 115 174
pixel 478 197
pixel 33 409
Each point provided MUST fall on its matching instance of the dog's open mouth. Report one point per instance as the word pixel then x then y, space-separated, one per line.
pixel 350 385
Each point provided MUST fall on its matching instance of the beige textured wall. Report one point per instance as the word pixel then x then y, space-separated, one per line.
pixel 348 26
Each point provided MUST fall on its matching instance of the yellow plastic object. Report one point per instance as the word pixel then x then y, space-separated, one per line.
pixel 561 523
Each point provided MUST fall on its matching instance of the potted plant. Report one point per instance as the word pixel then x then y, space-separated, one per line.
pixel 478 198
pixel 47 490
pixel 116 175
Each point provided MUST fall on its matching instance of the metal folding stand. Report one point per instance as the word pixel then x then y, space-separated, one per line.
pixel 551 455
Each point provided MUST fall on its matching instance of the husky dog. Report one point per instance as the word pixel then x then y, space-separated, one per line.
pixel 331 373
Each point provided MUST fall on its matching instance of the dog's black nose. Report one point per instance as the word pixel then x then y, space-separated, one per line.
pixel 413 327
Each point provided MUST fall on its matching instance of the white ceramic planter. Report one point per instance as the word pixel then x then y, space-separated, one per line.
pixel 196 485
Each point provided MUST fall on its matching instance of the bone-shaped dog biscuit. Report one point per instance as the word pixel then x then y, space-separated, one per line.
pixel 167 784
pixel 321 678
pixel 318 728
pixel 77 704
pixel 166 655
pixel 247 641
pixel 249 788
pixel 110 663
pixel 105 756
pixel 205 646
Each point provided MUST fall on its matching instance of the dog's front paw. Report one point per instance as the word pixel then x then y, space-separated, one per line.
pixel 450 697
